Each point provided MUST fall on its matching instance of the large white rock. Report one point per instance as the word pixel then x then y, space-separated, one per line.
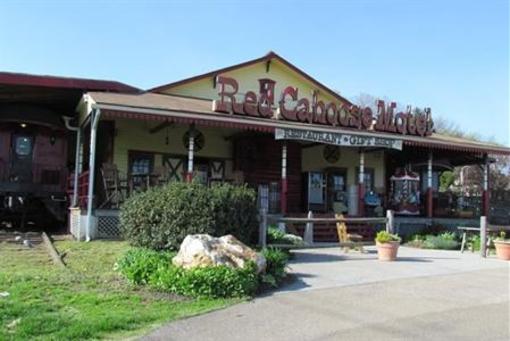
pixel 200 250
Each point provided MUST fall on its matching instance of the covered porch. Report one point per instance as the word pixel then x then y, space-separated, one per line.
pixel 135 142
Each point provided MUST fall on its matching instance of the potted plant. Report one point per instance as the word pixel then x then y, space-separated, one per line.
pixel 387 245
pixel 502 246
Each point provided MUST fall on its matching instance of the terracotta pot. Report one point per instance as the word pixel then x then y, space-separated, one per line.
pixel 502 249
pixel 387 251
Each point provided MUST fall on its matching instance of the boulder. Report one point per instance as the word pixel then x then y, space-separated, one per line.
pixel 200 250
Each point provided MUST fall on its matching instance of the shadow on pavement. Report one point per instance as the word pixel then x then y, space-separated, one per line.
pixel 293 282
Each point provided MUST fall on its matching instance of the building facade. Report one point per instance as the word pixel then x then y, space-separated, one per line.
pixel 267 124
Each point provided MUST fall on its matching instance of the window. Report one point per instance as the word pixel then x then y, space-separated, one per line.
pixel 140 166
pixel 140 163
pixel 23 146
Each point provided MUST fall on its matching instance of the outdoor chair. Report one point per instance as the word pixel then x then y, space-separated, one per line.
pixel 115 187
pixel 353 240
pixel 161 176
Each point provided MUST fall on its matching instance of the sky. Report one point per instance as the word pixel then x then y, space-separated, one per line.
pixel 452 56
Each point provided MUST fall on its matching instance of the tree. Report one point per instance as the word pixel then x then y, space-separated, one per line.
pixel 472 176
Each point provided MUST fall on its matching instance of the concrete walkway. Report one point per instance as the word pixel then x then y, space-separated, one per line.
pixel 326 268
pixel 426 295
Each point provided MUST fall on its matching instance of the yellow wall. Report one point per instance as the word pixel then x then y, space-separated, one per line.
pixel 248 77
pixel 313 160
pixel 135 135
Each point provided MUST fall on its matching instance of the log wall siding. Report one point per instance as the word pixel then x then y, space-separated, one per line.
pixel 260 160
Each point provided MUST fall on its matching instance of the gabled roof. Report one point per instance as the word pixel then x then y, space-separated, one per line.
pixel 24 79
pixel 269 56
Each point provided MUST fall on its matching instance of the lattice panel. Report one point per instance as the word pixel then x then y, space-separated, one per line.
pixel 74 222
pixel 108 225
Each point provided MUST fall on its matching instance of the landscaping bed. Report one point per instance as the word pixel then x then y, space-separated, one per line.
pixel 86 300
pixel 213 229
pixel 441 241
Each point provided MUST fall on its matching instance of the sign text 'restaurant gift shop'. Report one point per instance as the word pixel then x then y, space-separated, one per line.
pixel 337 139
pixel 292 108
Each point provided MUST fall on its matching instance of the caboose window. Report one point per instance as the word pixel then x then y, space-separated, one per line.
pixel 23 145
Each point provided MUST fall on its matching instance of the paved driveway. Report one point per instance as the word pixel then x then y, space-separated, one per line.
pixel 426 295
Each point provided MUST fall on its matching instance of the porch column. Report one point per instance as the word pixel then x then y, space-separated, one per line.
pixel 95 115
pixel 77 163
pixel 361 185
pixel 485 187
pixel 191 146
pixel 283 198
pixel 430 190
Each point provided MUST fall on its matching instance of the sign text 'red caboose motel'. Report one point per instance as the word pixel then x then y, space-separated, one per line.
pixel 292 108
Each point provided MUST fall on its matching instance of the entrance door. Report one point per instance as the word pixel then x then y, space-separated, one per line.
pixel 336 190
pixel 21 158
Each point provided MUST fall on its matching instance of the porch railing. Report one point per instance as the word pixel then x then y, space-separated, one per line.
pixel 311 223
pixel 83 187
pixel 454 205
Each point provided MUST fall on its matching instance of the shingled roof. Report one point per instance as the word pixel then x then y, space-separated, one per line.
pixel 153 106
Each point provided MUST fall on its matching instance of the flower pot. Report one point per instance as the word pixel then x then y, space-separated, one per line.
pixel 502 249
pixel 387 251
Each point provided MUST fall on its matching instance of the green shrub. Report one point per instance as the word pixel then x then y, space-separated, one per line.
pixel 155 268
pixel 475 242
pixel 139 265
pixel 162 217
pixel 211 282
pixel 235 211
pixel 276 263
pixel 276 236
pixel 386 237
pixel 444 241
pixel 142 266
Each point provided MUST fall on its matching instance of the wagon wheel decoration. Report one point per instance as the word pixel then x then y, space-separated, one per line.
pixel 199 141
pixel 331 153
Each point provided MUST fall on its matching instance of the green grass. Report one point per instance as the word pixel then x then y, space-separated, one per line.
pixel 88 300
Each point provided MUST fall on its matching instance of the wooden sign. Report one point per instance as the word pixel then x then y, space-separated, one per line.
pixel 291 107
pixel 337 139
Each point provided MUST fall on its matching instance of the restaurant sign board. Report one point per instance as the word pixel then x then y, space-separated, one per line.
pixel 337 139
pixel 292 107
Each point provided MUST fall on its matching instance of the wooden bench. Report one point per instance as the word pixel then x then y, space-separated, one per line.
pixel 472 230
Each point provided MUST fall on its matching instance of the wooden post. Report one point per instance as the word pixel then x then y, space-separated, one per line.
pixel 389 222
pixel 361 184
pixel 430 208
pixel 283 198
pixel 263 228
pixel 485 192
pixel 191 147
pixel 308 237
pixel 483 236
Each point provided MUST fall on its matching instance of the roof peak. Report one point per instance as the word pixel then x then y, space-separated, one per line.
pixel 270 55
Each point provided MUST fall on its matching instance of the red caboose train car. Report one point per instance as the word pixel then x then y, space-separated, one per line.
pixel 33 160
pixel 36 146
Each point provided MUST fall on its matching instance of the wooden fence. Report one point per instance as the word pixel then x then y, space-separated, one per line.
pixel 311 224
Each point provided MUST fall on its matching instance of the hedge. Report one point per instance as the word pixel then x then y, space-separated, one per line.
pixel 162 217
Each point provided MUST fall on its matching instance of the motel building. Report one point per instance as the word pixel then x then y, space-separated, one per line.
pixel 268 124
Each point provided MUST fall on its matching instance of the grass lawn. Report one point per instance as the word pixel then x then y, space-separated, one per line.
pixel 88 300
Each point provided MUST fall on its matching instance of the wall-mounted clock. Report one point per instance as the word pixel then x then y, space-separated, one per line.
pixel 331 153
